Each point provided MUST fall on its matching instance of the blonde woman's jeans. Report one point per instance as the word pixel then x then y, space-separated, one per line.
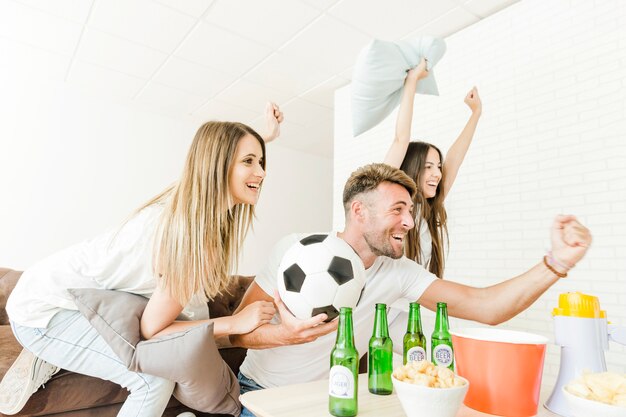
pixel 71 342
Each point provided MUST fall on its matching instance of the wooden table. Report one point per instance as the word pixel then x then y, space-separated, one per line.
pixel 311 400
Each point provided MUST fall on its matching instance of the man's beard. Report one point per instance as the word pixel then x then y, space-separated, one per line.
pixel 381 247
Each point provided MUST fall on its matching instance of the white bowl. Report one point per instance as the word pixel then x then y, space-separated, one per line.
pixel 582 407
pixel 420 401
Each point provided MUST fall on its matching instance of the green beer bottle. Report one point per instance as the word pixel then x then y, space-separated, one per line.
pixel 442 352
pixel 380 355
pixel 344 369
pixel 414 343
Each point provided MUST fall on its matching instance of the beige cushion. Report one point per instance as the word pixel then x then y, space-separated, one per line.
pixel 190 358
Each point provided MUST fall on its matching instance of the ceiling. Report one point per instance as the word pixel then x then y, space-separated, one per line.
pixel 223 59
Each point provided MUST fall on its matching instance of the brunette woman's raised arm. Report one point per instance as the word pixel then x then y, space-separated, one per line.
pixel 458 150
pixel 397 150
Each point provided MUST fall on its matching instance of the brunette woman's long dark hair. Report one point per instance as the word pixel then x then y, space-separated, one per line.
pixel 431 210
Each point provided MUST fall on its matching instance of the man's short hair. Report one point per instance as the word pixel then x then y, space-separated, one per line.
pixel 368 177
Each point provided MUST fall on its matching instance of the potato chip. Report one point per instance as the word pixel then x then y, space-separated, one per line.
pixel 605 387
pixel 426 374
pixel 620 400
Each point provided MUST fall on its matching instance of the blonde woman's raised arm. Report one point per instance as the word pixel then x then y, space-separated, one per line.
pixel 458 150
pixel 273 118
pixel 397 150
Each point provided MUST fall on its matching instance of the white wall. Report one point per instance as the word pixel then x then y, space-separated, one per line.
pixel 552 76
pixel 73 166
pixel 296 197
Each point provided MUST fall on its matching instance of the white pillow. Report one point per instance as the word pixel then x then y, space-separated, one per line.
pixel 379 75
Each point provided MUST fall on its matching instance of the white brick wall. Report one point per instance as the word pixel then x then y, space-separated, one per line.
pixel 552 139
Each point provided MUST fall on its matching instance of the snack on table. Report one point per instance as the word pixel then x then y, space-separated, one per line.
pixel 605 387
pixel 428 375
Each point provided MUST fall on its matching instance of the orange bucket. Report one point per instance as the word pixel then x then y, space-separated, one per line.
pixel 504 368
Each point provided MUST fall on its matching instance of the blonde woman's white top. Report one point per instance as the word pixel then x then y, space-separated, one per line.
pixel 118 260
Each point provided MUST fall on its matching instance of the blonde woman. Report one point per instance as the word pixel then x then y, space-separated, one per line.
pixel 178 250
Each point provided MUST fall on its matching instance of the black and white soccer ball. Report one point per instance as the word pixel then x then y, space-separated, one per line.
pixel 320 274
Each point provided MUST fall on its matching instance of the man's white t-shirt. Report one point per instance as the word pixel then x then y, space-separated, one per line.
pixel 118 260
pixel 387 281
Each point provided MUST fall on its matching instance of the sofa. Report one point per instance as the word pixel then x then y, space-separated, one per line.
pixel 70 394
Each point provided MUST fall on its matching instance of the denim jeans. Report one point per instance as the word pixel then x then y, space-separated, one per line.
pixel 72 343
pixel 246 384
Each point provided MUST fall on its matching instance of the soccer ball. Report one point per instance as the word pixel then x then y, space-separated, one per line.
pixel 320 274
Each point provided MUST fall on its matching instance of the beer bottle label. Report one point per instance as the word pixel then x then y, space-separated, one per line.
pixel 415 354
pixel 341 382
pixel 442 355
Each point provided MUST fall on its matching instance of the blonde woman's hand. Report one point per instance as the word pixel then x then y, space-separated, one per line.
pixel 252 316
pixel 472 99
pixel 273 118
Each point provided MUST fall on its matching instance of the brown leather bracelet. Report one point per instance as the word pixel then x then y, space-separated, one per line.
pixel 554 271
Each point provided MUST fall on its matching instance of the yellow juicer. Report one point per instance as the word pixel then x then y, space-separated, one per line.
pixel 582 331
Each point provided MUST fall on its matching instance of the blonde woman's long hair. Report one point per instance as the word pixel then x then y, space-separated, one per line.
pixel 199 235
pixel 432 210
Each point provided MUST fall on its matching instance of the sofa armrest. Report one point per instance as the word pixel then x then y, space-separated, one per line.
pixel 225 304
pixel 8 279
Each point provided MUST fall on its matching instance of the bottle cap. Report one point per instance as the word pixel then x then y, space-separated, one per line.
pixel 577 304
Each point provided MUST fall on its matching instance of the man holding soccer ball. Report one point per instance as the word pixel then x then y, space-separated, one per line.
pixel 378 207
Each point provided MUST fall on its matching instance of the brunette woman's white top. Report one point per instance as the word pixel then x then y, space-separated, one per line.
pixel 426 241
